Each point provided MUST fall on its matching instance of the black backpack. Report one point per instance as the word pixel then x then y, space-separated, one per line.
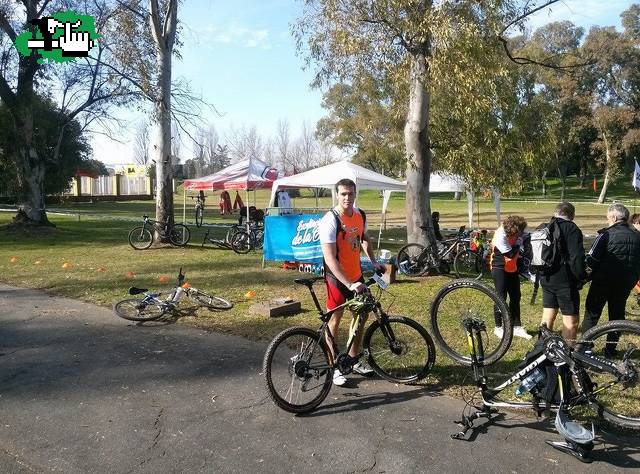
pixel 548 389
pixel 546 248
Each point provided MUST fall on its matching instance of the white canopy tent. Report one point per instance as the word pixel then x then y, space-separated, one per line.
pixel 328 176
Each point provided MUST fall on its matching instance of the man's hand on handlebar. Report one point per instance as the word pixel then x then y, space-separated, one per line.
pixel 357 287
pixel 378 268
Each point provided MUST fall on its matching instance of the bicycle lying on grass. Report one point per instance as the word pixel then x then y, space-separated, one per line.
pixel 298 365
pixel 141 237
pixel 152 306
pixel 601 372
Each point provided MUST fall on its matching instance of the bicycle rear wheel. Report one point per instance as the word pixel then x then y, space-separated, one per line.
pixel 464 299
pixel 468 264
pixel 208 301
pixel 241 242
pixel 199 216
pixel 140 238
pixel 179 235
pixel 412 260
pixel 633 304
pixel 618 342
pixel 297 371
pixel 138 310
pixel 258 240
pixel 400 350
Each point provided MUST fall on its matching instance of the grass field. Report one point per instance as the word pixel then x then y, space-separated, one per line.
pixel 87 257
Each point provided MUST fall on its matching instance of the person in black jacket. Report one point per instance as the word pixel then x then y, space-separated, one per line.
pixel 614 264
pixel 561 285
pixel 435 218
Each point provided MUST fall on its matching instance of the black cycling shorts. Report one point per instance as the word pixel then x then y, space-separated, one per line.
pixel 566 298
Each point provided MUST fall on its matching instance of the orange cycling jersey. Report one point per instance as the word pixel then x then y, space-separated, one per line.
pixel 348 245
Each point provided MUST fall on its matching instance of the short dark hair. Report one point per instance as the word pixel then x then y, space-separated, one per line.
pixel 345 183
pixel 566 209
pixel 635 218
pixel 435 214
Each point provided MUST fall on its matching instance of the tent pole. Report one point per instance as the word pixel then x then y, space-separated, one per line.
pixel 316 193
pixel 184 205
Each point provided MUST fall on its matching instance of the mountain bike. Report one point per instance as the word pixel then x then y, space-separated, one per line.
pixel 199 208
pixel 141 237
pixel 153 306
pixel 417 260
pixel 298 365
pixel 601 372
pixel 243 241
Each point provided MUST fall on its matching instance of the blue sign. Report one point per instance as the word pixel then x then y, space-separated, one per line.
pixel 293 238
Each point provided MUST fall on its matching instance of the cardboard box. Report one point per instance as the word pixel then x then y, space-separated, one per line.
pixel 277 307
pixel 389 273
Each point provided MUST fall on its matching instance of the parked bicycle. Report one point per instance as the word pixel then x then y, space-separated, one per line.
pixel 141 237
pixel 298 364
pixel 153 305
pixel 243 241
pixel 237 242
pixel 199 209
pixel 417 260
pixel 472 262
pixel 602 371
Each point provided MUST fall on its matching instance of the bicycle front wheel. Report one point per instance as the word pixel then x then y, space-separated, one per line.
pixel 618 342
pixel 468 264
pixel 138 310
pixel 463 300
pixel 179 235
pixel 140 238
pixel 241 242
pixel 199 216
pixel 208 301
pixel 400 349
pixel 633 305
pixel 412 260
pixel 297 370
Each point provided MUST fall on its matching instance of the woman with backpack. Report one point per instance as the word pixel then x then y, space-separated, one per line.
pixel 505 252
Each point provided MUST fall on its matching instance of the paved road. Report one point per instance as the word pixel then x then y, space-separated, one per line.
pixel 82 391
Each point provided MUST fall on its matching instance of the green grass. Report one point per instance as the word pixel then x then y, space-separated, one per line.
pixel 99 260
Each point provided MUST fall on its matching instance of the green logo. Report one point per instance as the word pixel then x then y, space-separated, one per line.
pixel 62 37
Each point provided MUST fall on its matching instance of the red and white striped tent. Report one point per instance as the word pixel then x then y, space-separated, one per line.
pixel 249 174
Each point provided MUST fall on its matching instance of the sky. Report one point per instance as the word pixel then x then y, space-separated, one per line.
pixel 240 57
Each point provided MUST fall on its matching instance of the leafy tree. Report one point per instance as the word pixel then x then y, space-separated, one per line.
pixel 420 45
pixel 73 153
pixel 83 89
pixel 366 116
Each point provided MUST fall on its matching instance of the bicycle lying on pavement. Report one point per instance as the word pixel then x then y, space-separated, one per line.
pixel 601 372
pixel 298 365
pixel 152 306
pixel 141 237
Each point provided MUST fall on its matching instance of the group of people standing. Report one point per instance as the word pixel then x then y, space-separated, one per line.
pixel 612 265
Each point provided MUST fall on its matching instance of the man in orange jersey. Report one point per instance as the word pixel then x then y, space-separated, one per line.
pixel 343 232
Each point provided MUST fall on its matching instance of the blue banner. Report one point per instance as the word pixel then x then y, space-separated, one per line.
pixel 292 238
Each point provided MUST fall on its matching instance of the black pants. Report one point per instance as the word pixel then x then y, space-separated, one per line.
pixel 614 295
pixel 507 284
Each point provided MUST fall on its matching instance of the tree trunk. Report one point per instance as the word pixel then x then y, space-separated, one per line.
pixel 416 139
pixel 30 172
pixel 164 169
pixel 163 26
pixel 607 170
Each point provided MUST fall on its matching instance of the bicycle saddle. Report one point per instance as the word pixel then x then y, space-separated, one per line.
pixel 136 291
pixel 308 282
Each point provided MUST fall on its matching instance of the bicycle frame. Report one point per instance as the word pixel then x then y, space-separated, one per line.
pixel 357 325
pixel 574 360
